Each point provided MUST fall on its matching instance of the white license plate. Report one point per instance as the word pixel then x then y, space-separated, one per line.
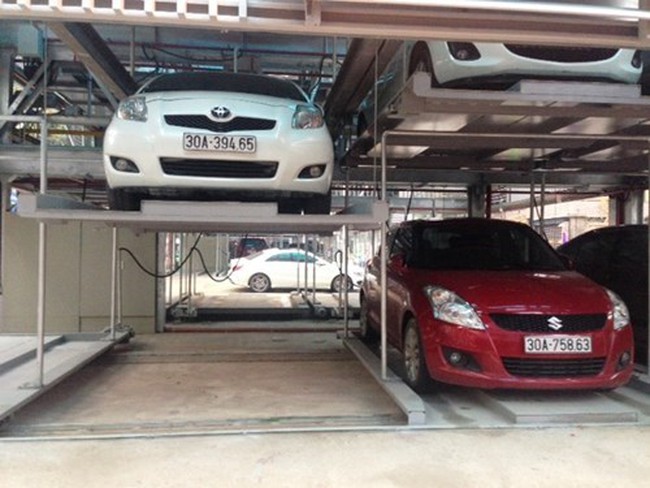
pixel 213 142
pixel 557 344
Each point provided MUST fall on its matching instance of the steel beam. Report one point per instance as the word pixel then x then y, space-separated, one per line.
pixel 92 51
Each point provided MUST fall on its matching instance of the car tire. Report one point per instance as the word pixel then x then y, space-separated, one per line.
pixel 421 61
pixel 335 286
pixel 121 199
pixel 290 206
pixel 416 374
pixel 259 283
pixel 318 205
pixel 367 334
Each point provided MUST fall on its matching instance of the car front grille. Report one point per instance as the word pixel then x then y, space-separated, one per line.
pixel 237 124
pixel 573 54
pixel 553 368
pixel 217 168
pixel 540 323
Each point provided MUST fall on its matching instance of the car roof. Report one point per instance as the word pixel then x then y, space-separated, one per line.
pixel 230 82
pixel 468 222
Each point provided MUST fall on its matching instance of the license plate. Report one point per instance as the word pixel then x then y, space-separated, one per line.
pixel 213 142
pixel 557 344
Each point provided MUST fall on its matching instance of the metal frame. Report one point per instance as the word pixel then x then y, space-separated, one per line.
pixel 428 138
pixel 470 20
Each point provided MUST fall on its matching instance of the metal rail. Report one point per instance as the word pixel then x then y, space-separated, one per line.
pixel 471 20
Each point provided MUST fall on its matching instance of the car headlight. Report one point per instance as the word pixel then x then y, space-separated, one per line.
pixel 449 307
pixel 134 108
pixel 307 117
pixel 620 314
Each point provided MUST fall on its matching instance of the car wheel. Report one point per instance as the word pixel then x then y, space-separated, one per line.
pixel 259 283
pixel 366 333
pixel 421 61
pixel 121 199
pixel 415 368
pixel 290 206
pixel 318 205
pixel 337 283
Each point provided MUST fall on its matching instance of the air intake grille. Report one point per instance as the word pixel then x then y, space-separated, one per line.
pixel 215 168
pixel 203 122
pixel 562 54
pixel 540 323
pixel 553 368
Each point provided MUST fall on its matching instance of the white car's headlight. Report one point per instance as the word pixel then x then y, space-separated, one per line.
pixel 619 313
pixel 449 307
pixel 307 117
pixel 134 108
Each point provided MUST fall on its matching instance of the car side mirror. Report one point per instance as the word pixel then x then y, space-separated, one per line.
pixel 397 261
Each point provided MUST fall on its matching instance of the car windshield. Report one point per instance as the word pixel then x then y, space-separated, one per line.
pixel 485 247
pixel 231 82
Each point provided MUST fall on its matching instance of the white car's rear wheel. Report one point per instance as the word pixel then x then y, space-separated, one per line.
pixel 259 283
pixel 341 282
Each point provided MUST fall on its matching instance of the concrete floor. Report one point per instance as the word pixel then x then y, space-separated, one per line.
pixel 289 409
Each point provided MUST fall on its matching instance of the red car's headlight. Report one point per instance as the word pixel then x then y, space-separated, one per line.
pixel 449 307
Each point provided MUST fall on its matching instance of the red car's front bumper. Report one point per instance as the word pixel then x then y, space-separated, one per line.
pixel 494 358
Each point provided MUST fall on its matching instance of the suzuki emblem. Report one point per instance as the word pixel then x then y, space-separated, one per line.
pixel 554 323
pixel 220 113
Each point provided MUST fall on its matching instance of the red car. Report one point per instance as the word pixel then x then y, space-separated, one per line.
pixel 489 304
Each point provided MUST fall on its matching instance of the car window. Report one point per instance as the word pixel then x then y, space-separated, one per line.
pixel 399 242
pixel 484 247
pixel 283 257
pixel 593 255
pixel 232 82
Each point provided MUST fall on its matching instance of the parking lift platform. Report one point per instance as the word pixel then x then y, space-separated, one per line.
pixel 447 406
pixel 63 355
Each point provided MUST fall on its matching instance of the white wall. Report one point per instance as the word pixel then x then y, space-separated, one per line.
pixel 78 278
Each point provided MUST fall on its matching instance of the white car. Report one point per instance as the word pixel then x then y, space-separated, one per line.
pixel 496 66
pixel 219 136
pixel 285 268
pixel 481 64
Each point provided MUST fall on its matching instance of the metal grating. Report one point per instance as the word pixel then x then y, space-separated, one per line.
pixel 562 54
pixel 236 124
pixel 540 323
pixel 553 368
pixel 218 168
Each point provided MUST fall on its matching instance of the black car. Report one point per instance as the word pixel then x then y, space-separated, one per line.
pixel 617 258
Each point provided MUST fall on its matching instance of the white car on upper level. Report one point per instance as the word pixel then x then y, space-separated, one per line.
pixel 470 64
pixel 219 136
pixel 496 66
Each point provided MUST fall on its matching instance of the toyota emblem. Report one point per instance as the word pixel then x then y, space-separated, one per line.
pixel 220 113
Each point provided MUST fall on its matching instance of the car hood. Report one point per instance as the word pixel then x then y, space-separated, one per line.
pixel 543 292
pixel 209 99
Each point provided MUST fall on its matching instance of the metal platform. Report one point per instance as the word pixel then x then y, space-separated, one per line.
pixel 458 407
pixel 64 354
pixel 175 216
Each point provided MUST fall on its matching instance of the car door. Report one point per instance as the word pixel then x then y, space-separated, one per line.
pixel 397 280
pixel 282 269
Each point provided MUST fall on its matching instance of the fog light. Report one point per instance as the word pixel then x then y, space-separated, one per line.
pixel 455 358
pixel 461 360
pixel 124 165
pixel 624 360
pixel 311 172
pixel 464 51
